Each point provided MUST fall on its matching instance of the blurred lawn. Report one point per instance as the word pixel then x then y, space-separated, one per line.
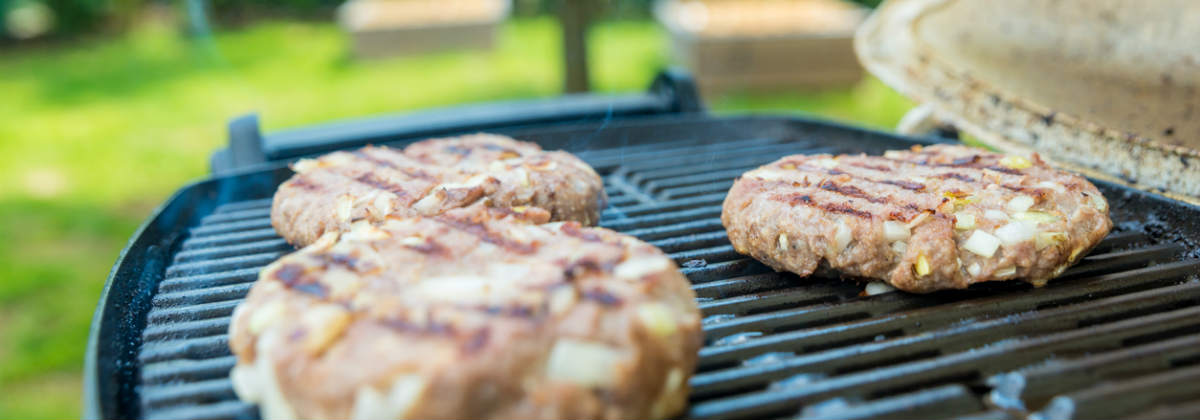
pixel 94 134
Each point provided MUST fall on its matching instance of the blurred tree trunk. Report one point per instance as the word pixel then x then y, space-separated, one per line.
pixel 576 16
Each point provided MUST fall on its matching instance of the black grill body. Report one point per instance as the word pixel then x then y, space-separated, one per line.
pixel 1116 336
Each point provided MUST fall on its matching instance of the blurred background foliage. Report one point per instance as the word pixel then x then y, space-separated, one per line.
pixel 67 18
pixel 112 107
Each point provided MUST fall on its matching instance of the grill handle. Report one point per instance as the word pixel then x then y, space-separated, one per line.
pixel 673 91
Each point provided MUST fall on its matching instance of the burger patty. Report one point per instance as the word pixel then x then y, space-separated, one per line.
pixel 473 313
pixel 933 218
pixel 429 177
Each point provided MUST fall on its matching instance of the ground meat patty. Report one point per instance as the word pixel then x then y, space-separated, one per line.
pixel 939 217
pixel 470 314
pixel 429 177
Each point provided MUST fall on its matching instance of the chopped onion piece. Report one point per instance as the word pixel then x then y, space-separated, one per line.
pixel 1099 202
pixel 826 163
pixel 841 236
pixel 585 363
pixel 900 247
pixel 982 244
pixel 922 266
pixel 1015 162
pixel 895 231
pixel 964 221
pixel 878 287
pixel 1036 217
pixel 783 242
pixel 995 215
pixel 1005 272
pixel 1046 239
pixel 1016 232
pixel 916 221
pixel 1075 253
pixel 657 318
pixel 1020 203
pixel 974 269
pixel 1051 185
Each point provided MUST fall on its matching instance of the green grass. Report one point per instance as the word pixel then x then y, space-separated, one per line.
pixel 94 134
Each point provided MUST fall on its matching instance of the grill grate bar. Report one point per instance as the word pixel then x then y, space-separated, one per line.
pixel 228 227
pixel 670 232
pixel 1112 400
pixel 664 218
pixel 222 264
pixel 244 205
pixel 187 348
pixel 704 271
pixel 668 206
pixel 736 160
pixel 271 245
pixel 716 253
pixel 191 370
pixel 189 329
pixel 248 274
pixel 669 146
pixel 689 242
pixel 1184 411
pixel 236 216
pixel 950 314
pixel 1035 386
pixel 950 401
pixel 695 190
pixel 212 390
pixel 217 411
pixel 191 313
pixel 955 367
pixel 205 295
pixel 697 154
pixel 690 158
pixel 227 239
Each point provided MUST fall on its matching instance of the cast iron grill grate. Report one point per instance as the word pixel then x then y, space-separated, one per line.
pixel 1116 336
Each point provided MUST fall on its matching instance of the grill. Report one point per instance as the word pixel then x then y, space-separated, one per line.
pixel 1117 336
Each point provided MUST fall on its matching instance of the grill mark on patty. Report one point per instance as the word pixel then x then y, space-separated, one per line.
pixel 583 265
pixel 574 229
pixel 477 341
pixel 965 161
pixel 880 168
pixel 958 176
pixel 429 247
pixel 807 200
pixel 908 185
pixel 292 276
pixel 348 262
pixel 850 190
pixel 362 154
pixel 432 327
pixel 514 311
pixel 302 182
pixel 971 162
pixel 380 183
pixel 853 191
pixel 480 231
pixel 601 296
pixel 906 205
pixel 1009 171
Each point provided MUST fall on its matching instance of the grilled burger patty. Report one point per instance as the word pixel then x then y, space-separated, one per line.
pixel 474 313
pixel 933 218
pixel 430 177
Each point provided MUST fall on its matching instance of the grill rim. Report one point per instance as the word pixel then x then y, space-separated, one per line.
pixel 112 367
